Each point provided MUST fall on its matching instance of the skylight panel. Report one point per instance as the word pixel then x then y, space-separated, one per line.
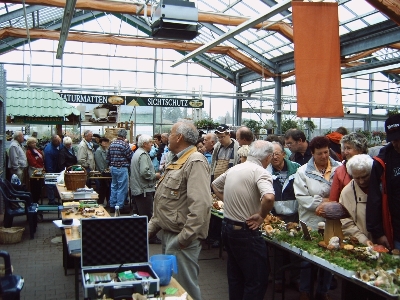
pixel 241 39
pixel 356 25
pixel 345 14
pixel 359 6
pixel 343 30
pixel 375 18
pixel 245 10
pixel 210 5
pixel 250 36
pixel 273 40
pixel 10 7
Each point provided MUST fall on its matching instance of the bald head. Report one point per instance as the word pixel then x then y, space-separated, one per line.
pixel 244 136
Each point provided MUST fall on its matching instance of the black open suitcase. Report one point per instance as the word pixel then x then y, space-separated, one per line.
pixel 115 245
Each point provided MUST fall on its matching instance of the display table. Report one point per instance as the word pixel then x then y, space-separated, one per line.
pixel 71 234
pixel 174 284
pixel 65 195
pixel 346 275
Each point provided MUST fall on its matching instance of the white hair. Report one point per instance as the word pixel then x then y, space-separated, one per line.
pixel 360 162
pixel 144 138
pixel 243 151
pixel 188 131
pixel 260 149
pixel 67 140
pixel 17 134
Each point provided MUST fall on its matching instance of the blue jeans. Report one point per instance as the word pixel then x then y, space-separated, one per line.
pixel 324 279
pixel 247 264
pixel 119 186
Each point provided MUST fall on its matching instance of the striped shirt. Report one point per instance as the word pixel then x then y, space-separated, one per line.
pixel 119 154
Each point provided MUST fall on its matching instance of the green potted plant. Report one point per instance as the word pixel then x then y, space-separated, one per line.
pixel 253 126
pixel 308 124
pixel 206 124
pixel 391 112
pixel 288 124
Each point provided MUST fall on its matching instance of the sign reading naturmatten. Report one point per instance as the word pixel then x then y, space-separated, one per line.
pixel 131 100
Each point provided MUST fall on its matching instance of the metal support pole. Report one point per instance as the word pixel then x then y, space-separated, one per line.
pixel 278 103
pixel 239 102
pixel 368 120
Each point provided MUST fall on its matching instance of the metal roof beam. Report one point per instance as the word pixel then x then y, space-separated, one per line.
pixel 242 27
pixel 65 26
pixel 241 46
pixel 203 60
pixel 19 13
pixel 375 36
pixel 372 67
pixel 79 17
pixel 271 3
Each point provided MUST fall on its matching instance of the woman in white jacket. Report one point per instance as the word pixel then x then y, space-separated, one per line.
pixel 354 198
pixel 312 185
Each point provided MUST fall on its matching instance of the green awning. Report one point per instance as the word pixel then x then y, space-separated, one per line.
pixel 31 102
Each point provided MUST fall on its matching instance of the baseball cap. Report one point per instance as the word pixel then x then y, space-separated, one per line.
pixel 222 128
pixel 122 133
pixel 392 128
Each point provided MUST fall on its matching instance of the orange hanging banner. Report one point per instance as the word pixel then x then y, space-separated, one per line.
pixel 317 59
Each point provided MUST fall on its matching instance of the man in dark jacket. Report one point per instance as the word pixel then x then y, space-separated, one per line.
pixel 296 141
pixel 161 147
pixel 383 210
pixel 51 164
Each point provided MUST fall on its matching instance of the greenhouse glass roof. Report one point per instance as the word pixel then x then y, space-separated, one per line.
pixel 369 38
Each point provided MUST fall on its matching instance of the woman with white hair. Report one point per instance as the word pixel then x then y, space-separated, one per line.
pixel 67 156
pixel 354 198
pixel 352 144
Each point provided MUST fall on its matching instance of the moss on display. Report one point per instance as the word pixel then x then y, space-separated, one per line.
pixel 347 259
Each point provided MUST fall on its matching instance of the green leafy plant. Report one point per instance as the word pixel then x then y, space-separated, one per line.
pixel 309 125
pixel 391 112
pixel 288 124
pixel 269 124
pixel 253 125
pixel 206 124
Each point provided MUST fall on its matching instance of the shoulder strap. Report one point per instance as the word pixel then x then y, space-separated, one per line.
pixel 386 217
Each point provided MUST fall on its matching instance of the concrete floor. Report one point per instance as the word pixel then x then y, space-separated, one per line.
pixel 39 261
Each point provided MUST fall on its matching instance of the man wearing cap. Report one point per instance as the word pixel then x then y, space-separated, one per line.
pixel 225 153
pixel 17 161
pixel 119 157
pixel 225 156
pixel 383 202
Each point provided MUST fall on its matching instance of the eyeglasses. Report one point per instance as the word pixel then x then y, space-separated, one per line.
pixel 276 154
